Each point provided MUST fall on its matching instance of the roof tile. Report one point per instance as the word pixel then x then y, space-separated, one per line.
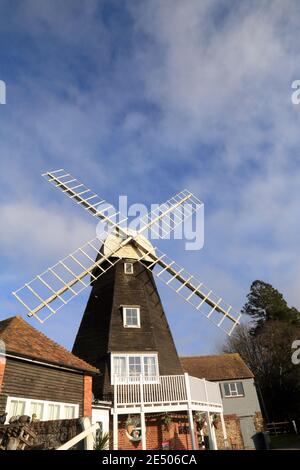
pixel 218 367
pixel 25 340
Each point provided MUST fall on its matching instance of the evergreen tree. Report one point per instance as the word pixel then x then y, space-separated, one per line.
pixel 265 303
pixel 266 347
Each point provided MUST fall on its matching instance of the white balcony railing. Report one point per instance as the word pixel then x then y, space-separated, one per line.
pixel 166 390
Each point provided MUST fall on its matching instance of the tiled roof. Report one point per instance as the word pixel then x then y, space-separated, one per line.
pixel 23 339
pixel 222 367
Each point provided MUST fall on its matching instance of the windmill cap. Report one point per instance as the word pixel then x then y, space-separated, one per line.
pixel 130 250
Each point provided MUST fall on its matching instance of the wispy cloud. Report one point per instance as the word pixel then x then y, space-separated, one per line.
pixel 146 98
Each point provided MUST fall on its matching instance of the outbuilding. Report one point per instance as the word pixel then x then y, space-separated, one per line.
pixel 37 376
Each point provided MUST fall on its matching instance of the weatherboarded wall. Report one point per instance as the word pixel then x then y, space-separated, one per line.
pixel 29 380
pixel 102 332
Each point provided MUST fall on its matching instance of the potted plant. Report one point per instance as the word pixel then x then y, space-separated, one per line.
pixel 129 425
pixel 200 420
pixel 167 420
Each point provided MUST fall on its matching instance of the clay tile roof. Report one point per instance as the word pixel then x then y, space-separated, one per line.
pixel 22 339
pixel 221 367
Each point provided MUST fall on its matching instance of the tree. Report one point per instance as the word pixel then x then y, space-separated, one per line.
pixel 266 347
pixel 268 356
pixel 265 303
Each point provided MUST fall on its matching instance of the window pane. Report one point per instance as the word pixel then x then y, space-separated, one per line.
pixel 233 389
pixel 17 407
pixel 69 412
pixel 53 412
pixel 128 268
pixel 240 388
pixel 37 409
pixel 119 366
pixel 226 389
pixel 135 366
pixel 150 366
pixel 131 317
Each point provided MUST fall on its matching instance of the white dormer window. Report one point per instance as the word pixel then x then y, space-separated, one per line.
pixel 128 268
pixel 131 317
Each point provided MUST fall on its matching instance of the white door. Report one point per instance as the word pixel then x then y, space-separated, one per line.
pixel 248 431
pixel 101 416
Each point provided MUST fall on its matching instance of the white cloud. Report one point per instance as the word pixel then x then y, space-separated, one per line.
pixel 223 78
pixel 33 234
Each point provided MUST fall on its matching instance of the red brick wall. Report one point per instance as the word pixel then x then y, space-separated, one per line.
pixel 158 433
pixel 2 369
pixel 258 422
pixel 234 434
pixel 87 395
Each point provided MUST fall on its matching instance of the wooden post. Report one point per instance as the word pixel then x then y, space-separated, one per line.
pixel 190 411
pixel 143 430
pixel 115 416
pixel 224 431
pixel 89 439
pixel 79 437
pixel 115 429
pixel 211 432
pixel 143 423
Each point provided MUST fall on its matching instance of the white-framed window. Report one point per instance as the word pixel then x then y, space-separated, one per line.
pixel 128 268
pixel 53 411
pixel 44 410
pixel 129 367
pixel 69 411
pixel 37 408
pixel 17 407
pixel 135 366
pixel 131 316
pixel 233 389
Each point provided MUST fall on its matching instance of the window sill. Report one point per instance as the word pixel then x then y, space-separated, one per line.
pixel 234 396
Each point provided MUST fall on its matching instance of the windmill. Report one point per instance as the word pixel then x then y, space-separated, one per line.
pixel 124 312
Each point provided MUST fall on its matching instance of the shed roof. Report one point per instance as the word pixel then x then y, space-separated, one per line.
pixel 26 341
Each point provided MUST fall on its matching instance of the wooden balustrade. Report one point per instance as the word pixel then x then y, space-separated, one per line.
pixel 164 389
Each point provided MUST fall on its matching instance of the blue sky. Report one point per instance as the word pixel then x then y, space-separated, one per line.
pixel 146 98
